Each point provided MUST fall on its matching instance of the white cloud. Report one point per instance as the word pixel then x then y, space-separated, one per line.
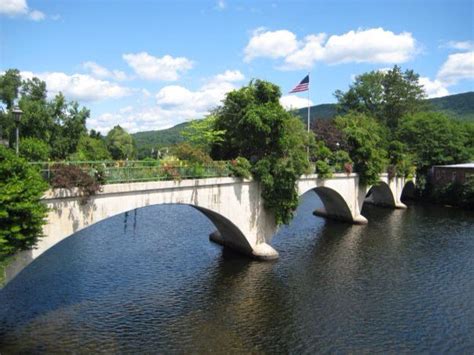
pixel 102 72
pixel 460 45
pixel 270 44
pixel 174 104
pixel 20 8
pixel 153 68
pixel 230 75
pixel 458 66
pixel 433 88
pixel 36 15
pixel 79 86
pixel 294 102
pixel 374 45
pixel 13 7
pixel 221 5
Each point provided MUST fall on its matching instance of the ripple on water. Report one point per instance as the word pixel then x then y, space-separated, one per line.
pixel 150 281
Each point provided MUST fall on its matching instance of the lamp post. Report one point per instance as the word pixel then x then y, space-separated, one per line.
pixel 16 117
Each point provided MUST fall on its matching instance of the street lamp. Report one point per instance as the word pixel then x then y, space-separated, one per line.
pixel 16 117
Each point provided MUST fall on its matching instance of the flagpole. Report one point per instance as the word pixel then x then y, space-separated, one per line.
pixel 309 108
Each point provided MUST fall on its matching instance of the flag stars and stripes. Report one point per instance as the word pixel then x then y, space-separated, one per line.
pixel 302 86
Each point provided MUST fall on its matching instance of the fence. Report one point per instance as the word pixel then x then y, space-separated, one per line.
pixel 113 172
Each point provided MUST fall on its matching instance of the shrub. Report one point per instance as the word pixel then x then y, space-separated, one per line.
pixel 21 212
pixel 240 167
pixel 71 176
pixel 33 149
pixel 323 169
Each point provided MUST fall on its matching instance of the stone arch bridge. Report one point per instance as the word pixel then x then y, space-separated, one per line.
pixel 234 206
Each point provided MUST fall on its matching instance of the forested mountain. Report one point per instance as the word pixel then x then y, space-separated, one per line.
pixel 459 106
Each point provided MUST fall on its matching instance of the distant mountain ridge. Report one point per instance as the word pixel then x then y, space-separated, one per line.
pixel 459 106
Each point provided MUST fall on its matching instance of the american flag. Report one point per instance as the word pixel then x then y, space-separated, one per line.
pixel 302 86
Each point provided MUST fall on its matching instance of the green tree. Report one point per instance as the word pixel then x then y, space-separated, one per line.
pixel 69 126
pixel 366 137
pixel 203 133
pixel 120 143
pixel 256 127
pixel 388 96
pixel 34 149
pixel 10 84
pixel 22 214
pixel 90 148
pixel 434 139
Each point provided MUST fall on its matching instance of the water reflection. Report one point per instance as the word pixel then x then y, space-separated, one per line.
pixel 149 280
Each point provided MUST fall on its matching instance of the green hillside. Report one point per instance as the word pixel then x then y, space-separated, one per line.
pixel 459 106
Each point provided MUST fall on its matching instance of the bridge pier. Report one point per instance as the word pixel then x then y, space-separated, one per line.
pixel 359 219
pixel 262 251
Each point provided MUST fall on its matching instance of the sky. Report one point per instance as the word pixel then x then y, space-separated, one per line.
pixel 150 65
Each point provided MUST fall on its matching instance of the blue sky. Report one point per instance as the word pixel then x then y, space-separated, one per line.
pixel 152 64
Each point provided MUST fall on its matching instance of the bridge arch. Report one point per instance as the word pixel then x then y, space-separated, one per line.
pixel 380 195
pixel 335 206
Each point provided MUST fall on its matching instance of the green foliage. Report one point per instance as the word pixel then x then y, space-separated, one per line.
pixel 460 106
pixel 90 149
pixel 366 136
pixel 120 143
pixel 387 96
pixel 456 194
pixel 401 161
pixel 240 167
pixel 21 211
pixel 434 139
pixel 10 83
pixel 323 169
pixel 33 149
pixel 259 129
pixel 193 154
pixel 202 133
pixel 340 160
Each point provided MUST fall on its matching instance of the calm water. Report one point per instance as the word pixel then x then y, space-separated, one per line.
pixel 150 281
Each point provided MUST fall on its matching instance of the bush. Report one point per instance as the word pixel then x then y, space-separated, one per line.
pixel 240 167
pixel 323 169
pixel 185 151
pixel 341 161
pixel 33 149
pixel 71 176
pixel 21 212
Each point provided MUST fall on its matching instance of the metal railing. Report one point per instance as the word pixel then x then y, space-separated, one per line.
pixel 114 172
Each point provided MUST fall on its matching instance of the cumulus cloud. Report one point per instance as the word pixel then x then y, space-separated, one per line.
pixel 458 66
pixel 79 86
pixel 460 45
pixel 165 68
pixel 173 104
pixel 20 8
pixel 102 72
pixel 433 88
pixel 270 44
pixel 230 75
pixel 290 102
pixel 374 45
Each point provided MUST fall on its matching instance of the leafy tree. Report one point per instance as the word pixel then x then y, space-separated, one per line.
pixel 256 127
pixel 69 126
pixel 202 133
pixel 184 151
pixel 435 139
pixel 366 137
pixel 90 148
pixel 36 120
pixel 22 214
pixel 327 132
pixel 120 143
pixel 388 96
pixel 10 83
pixel 34 149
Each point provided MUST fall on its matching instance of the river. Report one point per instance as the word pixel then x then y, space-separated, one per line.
pixel 150 281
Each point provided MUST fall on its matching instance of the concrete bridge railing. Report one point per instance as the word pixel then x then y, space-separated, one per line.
pixel 233 205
